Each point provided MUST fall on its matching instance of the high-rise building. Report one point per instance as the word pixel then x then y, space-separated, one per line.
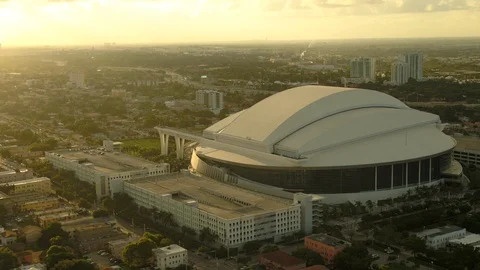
pixel 415 65
pixel 77 79
pixel 400 72
pixel 364 68
pixel 211 99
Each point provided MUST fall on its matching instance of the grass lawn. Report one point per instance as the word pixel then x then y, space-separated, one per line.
pixel 143 143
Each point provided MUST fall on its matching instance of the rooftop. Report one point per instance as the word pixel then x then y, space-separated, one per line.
pixel 29 181
pixel 172 249
pixel 32 267
pixel 329 240
pixel 12 172
pixel 282 258
pixel 8 234
pixel 468 143
pixel 56 210
pixel 439 231
pixel 43 199
pixel 469 239
pixel 220 199
pixel 107 162
pixel 57 215
pixel 327 127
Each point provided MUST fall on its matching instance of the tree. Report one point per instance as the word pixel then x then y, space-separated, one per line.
pixel 310 257
pixel 84 203
pixel 57 241
pixel 74 265
pixel 355 257
pixel 243 259
pixel 370 205
pixel 3 214
pixel 207 236
pixel 269 248
pixel 252 247
pixel 156 238
pixel 100 213
pixel 188 231
pixel 166 218
pixel 183 267
pixel 221 253
pixel 415 244
pixel 54 249
pixel 53 259
pixel 108 204
pixel 138 254
pixel 54 229
pixel 5 153
pixel 166 242
pixel 122 202
pixel 8 260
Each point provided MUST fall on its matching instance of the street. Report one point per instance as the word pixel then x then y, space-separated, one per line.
pixel 202 262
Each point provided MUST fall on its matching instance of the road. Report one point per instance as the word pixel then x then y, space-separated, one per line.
pixel 101 261
pixel 201 262
pixel 230 89
pixel 181 79
pixel 24 123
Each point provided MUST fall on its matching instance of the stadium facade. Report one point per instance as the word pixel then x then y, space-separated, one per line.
pixel 341 143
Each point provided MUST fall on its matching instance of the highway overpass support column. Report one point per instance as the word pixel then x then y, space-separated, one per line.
pixel 163 143
pixel 179 146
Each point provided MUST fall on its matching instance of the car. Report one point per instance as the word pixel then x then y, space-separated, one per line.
pixel 374 256
pixel 389 250
pixel 100 252
pixel 104 254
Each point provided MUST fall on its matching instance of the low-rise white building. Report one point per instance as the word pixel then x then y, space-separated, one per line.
pixel 470 239
pixel 440 237
pixel 32 267
pixel 7 238
pixel 170 256
pixel 12 176
pixel 106 170
pixel 112 146
pixel 234 214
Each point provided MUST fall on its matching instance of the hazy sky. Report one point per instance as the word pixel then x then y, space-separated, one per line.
pixel 62 22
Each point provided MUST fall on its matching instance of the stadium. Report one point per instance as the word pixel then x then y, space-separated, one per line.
pixel 340 143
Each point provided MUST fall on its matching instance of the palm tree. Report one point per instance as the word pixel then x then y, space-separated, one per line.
pixel 154 213
pixel 207 236
pixel 168 219
pixel 358 207
pixel 370 205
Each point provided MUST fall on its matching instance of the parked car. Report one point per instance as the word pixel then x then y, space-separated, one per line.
pixel 374 256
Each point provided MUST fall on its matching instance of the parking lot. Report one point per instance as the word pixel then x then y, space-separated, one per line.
pixel 101 261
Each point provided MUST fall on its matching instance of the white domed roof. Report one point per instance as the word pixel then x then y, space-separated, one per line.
pixel 321 126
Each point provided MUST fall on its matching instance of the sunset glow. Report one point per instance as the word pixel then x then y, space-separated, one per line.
pixel 57 22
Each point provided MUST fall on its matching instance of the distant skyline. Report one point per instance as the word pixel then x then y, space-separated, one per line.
pixel 86 22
